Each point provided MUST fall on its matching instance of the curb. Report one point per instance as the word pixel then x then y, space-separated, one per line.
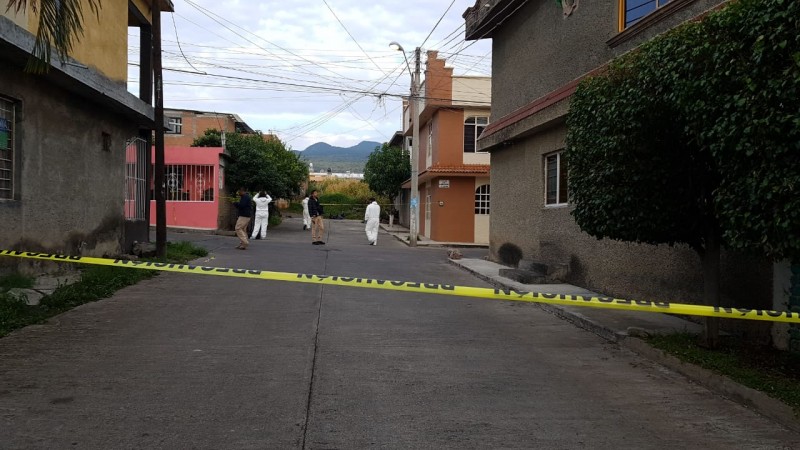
pixel 756 400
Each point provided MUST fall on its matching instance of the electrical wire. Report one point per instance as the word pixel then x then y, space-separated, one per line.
pixel 350 34
pixel 437 23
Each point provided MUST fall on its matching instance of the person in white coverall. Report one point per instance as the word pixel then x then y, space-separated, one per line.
pixel 372 217
pixel 306 215
pixel 262 200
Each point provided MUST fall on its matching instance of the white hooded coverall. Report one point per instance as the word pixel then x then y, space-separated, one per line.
pixel 262 215
pixel 372 217
pixel 306 215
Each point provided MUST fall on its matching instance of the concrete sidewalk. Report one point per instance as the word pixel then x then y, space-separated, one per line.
pixel 625 327
pixel 400 233
pixel 613 325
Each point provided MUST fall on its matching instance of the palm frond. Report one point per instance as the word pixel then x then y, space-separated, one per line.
pixel 60 24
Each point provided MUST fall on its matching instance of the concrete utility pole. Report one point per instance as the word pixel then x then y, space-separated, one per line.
pixel 415 96
pixel 158 176
pixel 414 107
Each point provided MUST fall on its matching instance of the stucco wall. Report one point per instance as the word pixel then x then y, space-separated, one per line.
pixel 471 90
pixel 70 194
pixel 549 234
pixel 538 50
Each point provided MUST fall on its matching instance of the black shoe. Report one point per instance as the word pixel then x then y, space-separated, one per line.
pixel 320 243
pixel 315 243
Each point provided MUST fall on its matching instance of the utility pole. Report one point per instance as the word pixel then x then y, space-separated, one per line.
pixel 158 176
pixel 415 95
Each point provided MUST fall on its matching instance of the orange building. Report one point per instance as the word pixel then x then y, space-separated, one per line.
pixel 453 174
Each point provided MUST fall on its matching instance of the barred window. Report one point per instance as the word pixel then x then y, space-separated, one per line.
pixel 482 199
pixel 7 156
pixel 189 182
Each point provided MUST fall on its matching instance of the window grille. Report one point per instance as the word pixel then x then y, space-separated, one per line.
pixel 189 182
pixel 135 179
pixel 7 134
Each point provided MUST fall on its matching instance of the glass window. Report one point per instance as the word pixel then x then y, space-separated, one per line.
pixel 473 128
pixel 175 126
pixel 482 199
pixel 633 10
pixel 555 180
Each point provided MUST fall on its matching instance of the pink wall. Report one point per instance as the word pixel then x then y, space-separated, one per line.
pixel 195 185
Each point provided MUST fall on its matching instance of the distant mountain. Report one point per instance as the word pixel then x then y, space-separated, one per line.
pixel 339 159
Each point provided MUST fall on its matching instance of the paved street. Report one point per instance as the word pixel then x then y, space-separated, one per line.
pixel 188 361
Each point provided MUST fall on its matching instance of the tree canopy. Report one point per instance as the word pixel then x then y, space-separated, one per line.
pixel 259 164
pixel 386 169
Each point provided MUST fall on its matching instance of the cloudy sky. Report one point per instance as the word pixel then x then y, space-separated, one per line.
pixel 307 70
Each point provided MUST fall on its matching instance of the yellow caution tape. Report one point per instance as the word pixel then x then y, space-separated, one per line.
pixel 433 288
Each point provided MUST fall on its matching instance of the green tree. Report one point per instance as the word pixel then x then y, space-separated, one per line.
pixel 386 169
pixel 210 138
pixel 259 164
pixel 693 138
pixel 60 23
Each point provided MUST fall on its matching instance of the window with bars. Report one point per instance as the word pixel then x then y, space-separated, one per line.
pixel 482 199
pixel 189 182
pixel 428 207
pixel 136 179
pixel 633 10
pixel 555 179
pixel 7 156
pixel 473 127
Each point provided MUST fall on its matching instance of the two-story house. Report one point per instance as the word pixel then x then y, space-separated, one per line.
pixel 540 54
pixel 73 142
pixel 186 125
pixel 453 171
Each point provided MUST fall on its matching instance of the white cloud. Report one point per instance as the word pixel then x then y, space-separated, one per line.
pixel 310 63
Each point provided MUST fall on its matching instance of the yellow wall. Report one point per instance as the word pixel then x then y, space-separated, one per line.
pixel 104 43
pixel 21 18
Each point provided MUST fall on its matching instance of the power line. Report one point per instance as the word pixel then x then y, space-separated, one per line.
pixel 349 34
pixel 437 22
pixel 178 40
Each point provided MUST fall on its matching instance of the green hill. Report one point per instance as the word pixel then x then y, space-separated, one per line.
pixel 338 159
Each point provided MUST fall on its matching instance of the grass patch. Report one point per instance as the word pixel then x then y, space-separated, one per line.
pixel 97 282
pixel 295 208
pixel 15 280
pixel 774 372
pixel 184 251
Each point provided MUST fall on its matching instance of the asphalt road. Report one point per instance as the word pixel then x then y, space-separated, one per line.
pixel 188 361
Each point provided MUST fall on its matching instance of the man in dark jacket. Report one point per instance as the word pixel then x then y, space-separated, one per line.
pixel 244 207
pixel 316 212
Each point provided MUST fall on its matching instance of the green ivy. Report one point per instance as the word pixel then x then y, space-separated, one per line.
pixel 696 130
